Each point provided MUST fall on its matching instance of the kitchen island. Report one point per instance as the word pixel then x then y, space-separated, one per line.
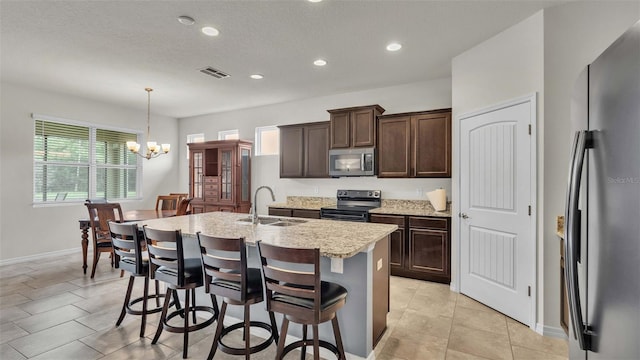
pixel 355 255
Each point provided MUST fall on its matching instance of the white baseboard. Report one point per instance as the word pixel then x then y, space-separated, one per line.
pixel 38 256
pixel 550 331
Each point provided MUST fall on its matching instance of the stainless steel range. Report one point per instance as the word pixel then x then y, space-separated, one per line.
pixel 353 205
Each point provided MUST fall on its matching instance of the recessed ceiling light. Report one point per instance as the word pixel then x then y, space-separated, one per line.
pixel 186 20
pixel 320 62
pixel 256 76
pixel 211 31
pixel 394 46
pixel 314 1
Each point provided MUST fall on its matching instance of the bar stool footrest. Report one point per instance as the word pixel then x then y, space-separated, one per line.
pixel 194 327
pixel 241 351
pixel 152 310
pixel 309 342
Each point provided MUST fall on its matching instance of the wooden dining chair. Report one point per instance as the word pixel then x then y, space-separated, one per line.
pixel 183 206
pixel 167 202
pixel 99 216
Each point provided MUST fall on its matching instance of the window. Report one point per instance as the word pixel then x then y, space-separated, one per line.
pixel 267 140
pixel 228 135
pixel 74 162
pixel 194 138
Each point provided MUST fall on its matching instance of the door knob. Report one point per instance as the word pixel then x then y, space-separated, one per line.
pixel 463 215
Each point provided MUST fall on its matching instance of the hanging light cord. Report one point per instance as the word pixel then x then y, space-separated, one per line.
pixel 148 90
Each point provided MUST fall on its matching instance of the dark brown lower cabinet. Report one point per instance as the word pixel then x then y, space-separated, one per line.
pixel 564 305
pixel 421 252
pixel 290 212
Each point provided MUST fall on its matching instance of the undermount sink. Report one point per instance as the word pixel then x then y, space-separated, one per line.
pixel 273 221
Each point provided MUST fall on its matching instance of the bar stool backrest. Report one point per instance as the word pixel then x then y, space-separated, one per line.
pixel 165 249
pixel 127 245
pixel 280 277
pixel 224 260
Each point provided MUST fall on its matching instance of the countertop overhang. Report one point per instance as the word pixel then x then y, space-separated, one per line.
pixel 335 239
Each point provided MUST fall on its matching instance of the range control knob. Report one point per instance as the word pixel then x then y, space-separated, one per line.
pixel 370 193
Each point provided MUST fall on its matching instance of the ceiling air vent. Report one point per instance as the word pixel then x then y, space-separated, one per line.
pixel 214 72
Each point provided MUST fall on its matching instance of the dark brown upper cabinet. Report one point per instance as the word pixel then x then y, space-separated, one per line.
pixel 354 127
pixel 304 150
pixel 415 144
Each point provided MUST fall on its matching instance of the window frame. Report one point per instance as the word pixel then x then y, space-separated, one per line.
pixel 258 139
pixel 92 162
pixel 222 134
pixel 194 138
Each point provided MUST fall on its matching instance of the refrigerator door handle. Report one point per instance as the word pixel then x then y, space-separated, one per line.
pixel 582 141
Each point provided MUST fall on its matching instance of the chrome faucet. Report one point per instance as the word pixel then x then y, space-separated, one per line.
pixel 254 208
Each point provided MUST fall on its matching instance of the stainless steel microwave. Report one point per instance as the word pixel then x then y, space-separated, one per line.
pixel 352 162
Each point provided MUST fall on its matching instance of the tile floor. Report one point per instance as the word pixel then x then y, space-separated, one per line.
pixel 50 310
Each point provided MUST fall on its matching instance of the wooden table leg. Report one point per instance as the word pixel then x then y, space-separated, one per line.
pixel 85 245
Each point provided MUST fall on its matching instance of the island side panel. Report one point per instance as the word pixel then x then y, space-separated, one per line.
pixel 380 289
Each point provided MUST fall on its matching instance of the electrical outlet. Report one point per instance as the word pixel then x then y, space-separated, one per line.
pixel 419 191
pixel 337 265
pixel 315 189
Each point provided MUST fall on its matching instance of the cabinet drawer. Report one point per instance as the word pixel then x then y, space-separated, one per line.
pixel 388 219
pixel 430 223
pixel 279 212
pixel 210 179
pixel 211 195
pixel 303 213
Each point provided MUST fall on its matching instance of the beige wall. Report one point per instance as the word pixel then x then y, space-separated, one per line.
pixel 574 35
pixel 542 54
pixel 26 230
pixel 265 169
pixel 507 66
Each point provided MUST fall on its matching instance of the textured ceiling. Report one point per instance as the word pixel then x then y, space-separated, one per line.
pixel 112 50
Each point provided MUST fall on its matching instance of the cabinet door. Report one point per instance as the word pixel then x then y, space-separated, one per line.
pixel 394 140
pixel 340 130
pixel 429 251
pixel 197 208
pixel 397 246
pixel 226 174
pixel 432 144
pixel 363 128
pixel 316 156
pixel 196 174
pixel 303 213
pixel 291 152
pixel 244 191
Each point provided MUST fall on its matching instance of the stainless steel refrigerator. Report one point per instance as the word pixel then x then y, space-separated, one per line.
pixel 602 217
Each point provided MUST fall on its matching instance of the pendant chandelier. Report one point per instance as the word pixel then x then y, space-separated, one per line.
pixel 153 150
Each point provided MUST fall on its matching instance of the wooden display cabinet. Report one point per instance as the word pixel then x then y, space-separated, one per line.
pixel 220 176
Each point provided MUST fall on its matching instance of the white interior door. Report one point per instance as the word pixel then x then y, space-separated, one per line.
pixel 497 250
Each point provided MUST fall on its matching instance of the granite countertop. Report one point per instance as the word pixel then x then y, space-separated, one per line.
pixel 411 208
pixel 389 206
pixel 560 226
pixel 336 239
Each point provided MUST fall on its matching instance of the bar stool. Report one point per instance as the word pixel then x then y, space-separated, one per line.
pixel 227 275
pixel 168 264
pixel 130 257
pixel 301 296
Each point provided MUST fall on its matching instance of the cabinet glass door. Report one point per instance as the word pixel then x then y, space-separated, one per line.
pixel 197 173
pixel 226 168
pixel 245 158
